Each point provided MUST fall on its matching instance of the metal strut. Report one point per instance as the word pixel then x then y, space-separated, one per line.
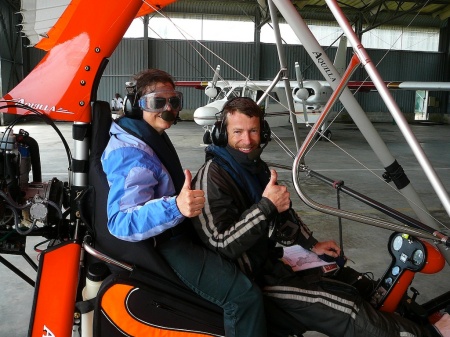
pixel 361 120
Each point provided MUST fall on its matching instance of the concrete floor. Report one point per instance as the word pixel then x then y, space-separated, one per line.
pixel 348 158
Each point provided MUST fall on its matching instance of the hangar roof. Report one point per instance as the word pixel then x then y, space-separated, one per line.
pixel 372 13
pixel 420 13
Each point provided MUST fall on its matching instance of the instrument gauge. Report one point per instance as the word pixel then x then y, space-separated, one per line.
pixel 418 257
pixel 395 270
pixel 388 282
pixel 398 242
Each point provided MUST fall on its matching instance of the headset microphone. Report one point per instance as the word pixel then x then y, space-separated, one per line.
pixel 168 116
pixel 256 153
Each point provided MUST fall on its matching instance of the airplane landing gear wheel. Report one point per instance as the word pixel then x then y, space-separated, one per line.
pixel 327 136
pixel 207 138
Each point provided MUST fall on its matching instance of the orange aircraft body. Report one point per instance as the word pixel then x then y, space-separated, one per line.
pixel 63 84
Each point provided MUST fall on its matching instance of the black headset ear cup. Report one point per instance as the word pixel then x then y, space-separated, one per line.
pixel 131 107
pixel 265 131
pixel 127 104
pixel 219 134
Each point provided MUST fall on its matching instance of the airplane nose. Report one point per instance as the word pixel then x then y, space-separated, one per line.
pixel 205 115
pixel 301 93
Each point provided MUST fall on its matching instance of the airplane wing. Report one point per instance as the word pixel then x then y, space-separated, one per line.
pixel 192 84
pixel 78 42
pixel 404 85
pixel 318 92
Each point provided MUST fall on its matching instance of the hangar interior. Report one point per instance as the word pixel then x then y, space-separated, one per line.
pixel 260 60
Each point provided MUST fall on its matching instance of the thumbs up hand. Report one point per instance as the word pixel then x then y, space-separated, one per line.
pixel 278 194
pixel 190 202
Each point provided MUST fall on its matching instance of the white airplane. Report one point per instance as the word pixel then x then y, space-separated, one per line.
pixel 275 104
pixel 309 96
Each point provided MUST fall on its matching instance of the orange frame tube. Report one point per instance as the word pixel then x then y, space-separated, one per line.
pixel 55 292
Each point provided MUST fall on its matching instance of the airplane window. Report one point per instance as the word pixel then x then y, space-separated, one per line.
pixel 236 92
pixel 273 98
pixel 259 93
pixel 248 93
pixel 223 93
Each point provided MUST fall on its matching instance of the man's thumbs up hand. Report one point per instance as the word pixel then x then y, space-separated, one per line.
pixel 190 202
pixel 278 194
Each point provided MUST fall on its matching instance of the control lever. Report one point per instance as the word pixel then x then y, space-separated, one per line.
pixel 413 308
pixel 415 293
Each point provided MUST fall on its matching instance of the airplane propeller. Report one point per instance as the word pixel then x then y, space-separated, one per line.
pixel 211 90
pixel 301 92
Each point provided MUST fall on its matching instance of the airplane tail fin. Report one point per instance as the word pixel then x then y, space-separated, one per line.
pixel 340 61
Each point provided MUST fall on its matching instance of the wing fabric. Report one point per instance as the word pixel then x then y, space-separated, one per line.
pixel 39 16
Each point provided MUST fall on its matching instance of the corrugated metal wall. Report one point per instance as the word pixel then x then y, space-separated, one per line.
pixel 127 59
pixel 188 60
pixel 11 68
pixel 185 60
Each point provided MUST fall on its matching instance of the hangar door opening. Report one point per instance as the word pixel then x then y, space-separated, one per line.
pixel 420 106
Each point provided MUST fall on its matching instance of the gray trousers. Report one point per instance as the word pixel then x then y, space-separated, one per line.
pixel 336 309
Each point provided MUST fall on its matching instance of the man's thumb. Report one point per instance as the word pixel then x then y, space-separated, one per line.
pixel 188 178
pixel 273 177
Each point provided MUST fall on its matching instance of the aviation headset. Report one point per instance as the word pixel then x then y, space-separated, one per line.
pixel 219 135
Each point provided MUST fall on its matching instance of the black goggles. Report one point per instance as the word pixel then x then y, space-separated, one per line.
pixel 157 101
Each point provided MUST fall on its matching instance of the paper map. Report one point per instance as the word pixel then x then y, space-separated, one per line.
pixel 300 259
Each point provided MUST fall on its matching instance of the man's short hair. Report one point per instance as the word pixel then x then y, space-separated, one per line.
pixel 245 105
pixel 150 77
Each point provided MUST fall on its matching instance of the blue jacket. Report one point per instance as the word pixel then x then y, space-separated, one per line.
pixel 141 199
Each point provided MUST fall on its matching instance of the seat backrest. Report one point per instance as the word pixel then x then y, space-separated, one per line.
pixel 93 211
pixel 100 124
